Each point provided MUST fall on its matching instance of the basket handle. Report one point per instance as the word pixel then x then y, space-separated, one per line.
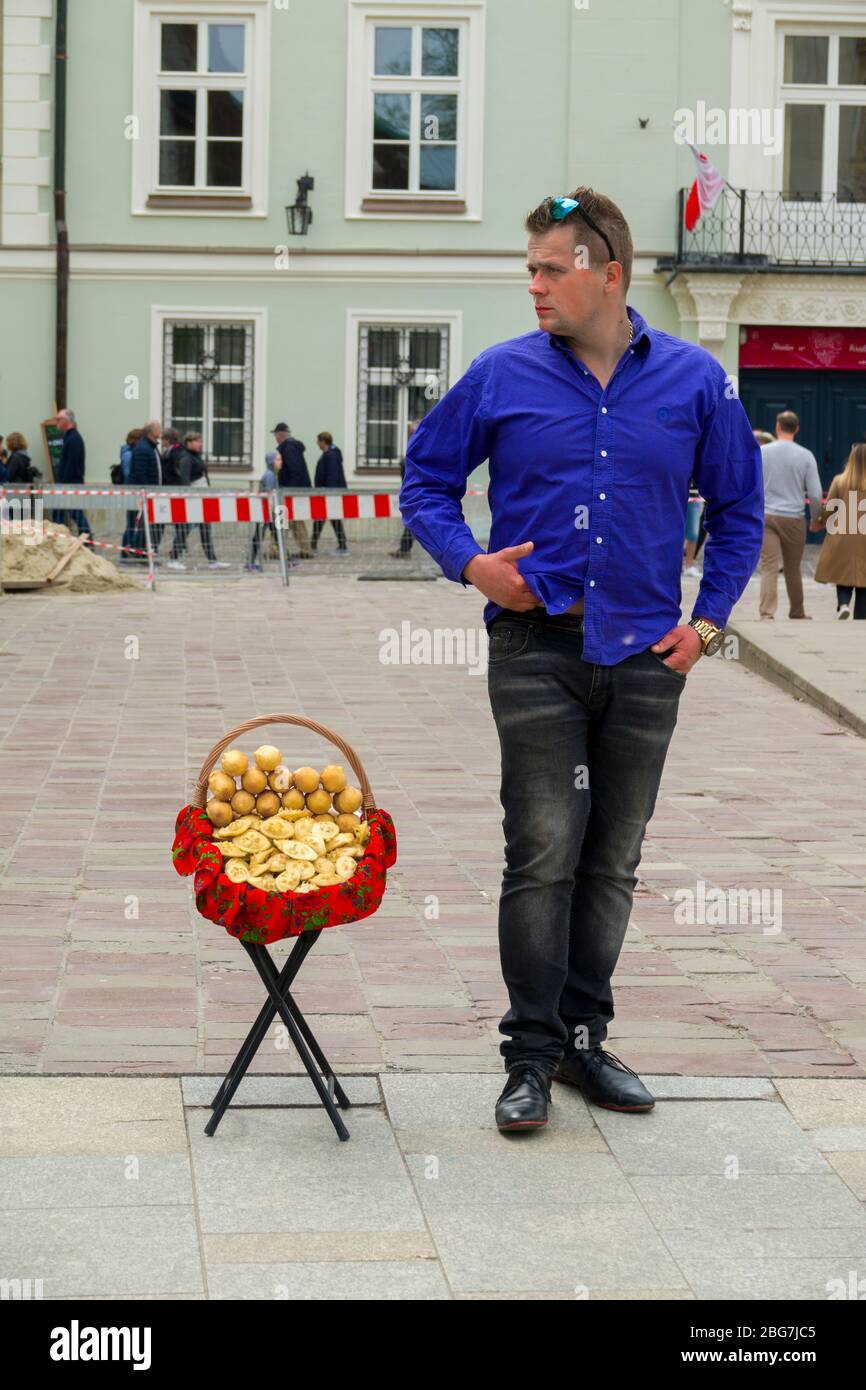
pixel 199 796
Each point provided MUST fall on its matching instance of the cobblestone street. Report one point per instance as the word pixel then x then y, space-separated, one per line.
pixel 107 968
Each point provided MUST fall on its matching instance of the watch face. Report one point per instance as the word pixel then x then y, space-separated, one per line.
pixel 714 644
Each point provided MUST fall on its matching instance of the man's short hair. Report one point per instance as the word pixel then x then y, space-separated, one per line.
pixel 328 438
pixel 171 435
pixel 602 210
pixel 788 421
pixel 192 436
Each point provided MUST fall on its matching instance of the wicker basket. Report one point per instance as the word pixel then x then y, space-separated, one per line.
pixel 262 916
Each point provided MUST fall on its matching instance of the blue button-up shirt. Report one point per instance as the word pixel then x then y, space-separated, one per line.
pixel 597 479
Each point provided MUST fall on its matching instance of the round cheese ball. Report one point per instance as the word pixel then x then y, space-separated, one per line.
pixel 293 800
pixel 254 780
pixel 221 786
pixel 306 779
pixel 318 802
pixel 268 757
pixel 243 803
pixel 234 762
pixel 349 799
pixel 345 821
pixel 333 778
pixel 220 813
pixel 267 804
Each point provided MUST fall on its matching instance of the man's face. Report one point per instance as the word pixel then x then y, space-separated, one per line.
pixel 155 434
pixel 566 298
pixel 64 422
pixel 195 446
pixel 280 435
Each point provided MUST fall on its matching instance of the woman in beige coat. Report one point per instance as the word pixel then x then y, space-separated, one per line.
pixel 843 555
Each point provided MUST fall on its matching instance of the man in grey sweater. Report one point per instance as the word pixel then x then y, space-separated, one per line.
pixel 790 472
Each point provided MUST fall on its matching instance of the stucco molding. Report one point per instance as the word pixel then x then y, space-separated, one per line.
pixel 705 298
pixel 821 301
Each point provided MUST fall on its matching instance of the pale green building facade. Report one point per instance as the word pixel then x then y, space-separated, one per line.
pixel 429 128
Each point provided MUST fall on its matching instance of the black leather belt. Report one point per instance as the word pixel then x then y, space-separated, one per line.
pixel 572 621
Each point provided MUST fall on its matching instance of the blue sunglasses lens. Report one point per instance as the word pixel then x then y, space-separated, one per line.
pixel 561 207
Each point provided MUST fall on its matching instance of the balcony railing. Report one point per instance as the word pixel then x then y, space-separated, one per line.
pixel 756 229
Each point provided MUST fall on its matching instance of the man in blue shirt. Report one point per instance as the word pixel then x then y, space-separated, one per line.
pixel 593 426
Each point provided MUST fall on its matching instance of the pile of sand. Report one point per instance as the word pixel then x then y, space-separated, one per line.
pixel 26 557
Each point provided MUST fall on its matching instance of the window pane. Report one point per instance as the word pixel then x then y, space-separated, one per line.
pixel 224 163
pixel 420 402
pixel 186 404
pixel 229 346
pixel 177 113
pixel 225 113
pixel 390 166
pixel 440 52
pixel 806 58
pixel 228 439
pixel 391 116
pixel 225 47
pixel 439 166
pixel 177 163
pixel 381 402
pixel 382 345
pixel 851 185
pixel 228 400
pixel 179 47
pixel 804 139
pixel 425 349
pixel 188 345
pixel 852 62
pixel 438 118
pixel 382 443
pixel 393 52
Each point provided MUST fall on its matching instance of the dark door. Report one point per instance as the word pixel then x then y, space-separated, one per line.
pixel 831 407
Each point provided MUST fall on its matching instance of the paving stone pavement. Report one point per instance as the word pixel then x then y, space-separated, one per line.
pixel 110 703
pixel 111 1189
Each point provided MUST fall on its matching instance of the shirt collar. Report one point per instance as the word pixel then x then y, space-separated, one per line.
pixel 640 342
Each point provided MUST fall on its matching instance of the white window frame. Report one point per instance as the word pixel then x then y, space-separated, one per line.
pixel 451 319
pixel 828 95
pixel 363 16
pixel 149 15
pixel 162 313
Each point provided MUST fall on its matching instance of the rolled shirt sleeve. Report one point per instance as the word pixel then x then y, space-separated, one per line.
pixel 729 474
pixel 450 442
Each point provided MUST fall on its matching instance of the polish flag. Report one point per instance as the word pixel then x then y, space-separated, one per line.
pixel 705 191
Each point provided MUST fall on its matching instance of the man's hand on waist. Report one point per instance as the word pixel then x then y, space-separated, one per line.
pixel 497 577
pixel 683 646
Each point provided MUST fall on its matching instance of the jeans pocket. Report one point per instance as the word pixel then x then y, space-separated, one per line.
pixel 506 640
pixel 660 661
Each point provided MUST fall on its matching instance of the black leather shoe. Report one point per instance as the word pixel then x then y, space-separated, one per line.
pixel 604 1080
pixel 524 1100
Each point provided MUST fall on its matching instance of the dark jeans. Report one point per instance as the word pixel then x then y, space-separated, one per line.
pixel 338 532
pixel 843 595
pixel 583 748
pixel 181 534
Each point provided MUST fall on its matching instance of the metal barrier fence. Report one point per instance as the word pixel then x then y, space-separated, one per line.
pixel 182 533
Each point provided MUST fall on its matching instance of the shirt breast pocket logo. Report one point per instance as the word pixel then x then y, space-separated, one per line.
pixel 663 413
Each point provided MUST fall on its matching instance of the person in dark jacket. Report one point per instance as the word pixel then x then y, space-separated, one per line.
pixel 191 470
pixel 293 475
pixel 329 473
pixel 145 471
pixel 70 469
pixel 19 469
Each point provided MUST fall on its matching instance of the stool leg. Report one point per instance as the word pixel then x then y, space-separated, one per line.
pixel 268 1012
pixel 256 953
pixel 309 1037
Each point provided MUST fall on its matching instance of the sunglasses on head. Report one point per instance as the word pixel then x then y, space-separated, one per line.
pixel 562 207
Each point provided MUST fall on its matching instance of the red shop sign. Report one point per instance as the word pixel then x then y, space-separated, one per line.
pixel 833 349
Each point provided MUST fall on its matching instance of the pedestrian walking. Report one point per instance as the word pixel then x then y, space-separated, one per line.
pixel 581 422
pixel 171 451
pixel 193 472
pixel 694 512
pixel 790 472
pixel 294 476
pixel 267 483
pixel 843 553
pixel 145 471
pixel 120 478
pixel 70 469
pixel 329 473
pixel 20 471
pixel 405 547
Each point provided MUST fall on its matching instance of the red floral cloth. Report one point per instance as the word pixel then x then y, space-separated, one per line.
pixel 261 915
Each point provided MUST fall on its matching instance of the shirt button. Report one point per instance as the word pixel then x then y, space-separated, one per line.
pixel 602 496
pixel 592 583
pixel 598 540
pixel 604 453
pixel 604 410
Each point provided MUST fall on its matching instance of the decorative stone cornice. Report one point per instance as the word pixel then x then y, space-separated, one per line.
pixel 819 301
pixel 741 12
pixel 705 298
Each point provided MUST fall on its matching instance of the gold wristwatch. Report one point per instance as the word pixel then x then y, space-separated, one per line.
pixel 710 635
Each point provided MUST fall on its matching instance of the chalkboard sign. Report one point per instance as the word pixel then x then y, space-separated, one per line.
pixel 52 439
